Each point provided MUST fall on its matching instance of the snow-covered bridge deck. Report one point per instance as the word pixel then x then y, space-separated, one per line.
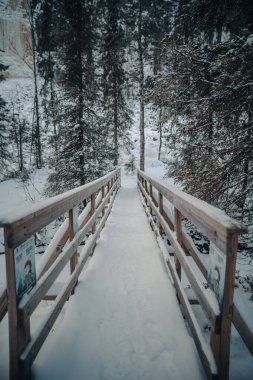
pixel 124 321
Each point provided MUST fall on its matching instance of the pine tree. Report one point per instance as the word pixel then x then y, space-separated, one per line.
pixel 116 111
pixel 31 6
pixel 206 87
pixel 46 29
pixel 83 146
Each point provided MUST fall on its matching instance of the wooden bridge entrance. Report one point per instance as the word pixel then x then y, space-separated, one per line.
pixel 139 272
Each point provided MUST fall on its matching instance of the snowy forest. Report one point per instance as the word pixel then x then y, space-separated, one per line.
pixel 91 86
pixel 95 61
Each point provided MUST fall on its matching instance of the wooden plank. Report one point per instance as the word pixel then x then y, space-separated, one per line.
pixel 27 307
pixel 29 354
pixel 26 224
pixel 160 203
pixel 103 195
pixel 19 334
pixel 211 221
pixel 178 229
pixel 165 211
pixel 3 304
pixel 150 191
pixel 59 242
pixel 189 246
pixel 168 221
pixel 92 209
pixel 227 308
pixel 225 238
pixel 73 260
pixel 198 288
pixel 54 291
pixel 204 350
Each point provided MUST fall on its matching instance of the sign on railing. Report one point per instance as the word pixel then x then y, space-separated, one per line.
pixel 24 263
pixel 217 272
pixel 24 293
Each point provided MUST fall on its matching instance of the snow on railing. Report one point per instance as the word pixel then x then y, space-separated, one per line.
pixel 166 207
pixel 26 288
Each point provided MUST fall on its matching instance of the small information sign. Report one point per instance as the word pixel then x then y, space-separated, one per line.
pixel 24 262
pixel 75 219
pixel 216 273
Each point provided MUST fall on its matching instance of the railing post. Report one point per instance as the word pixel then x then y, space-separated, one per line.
pixel 178 229
pixel 119 174
pixel 103 195
pixel 151 196
pixel 108 189
pixel 160 204
pixel 93 207
pixel 19 331
pixel 146 186
pixel 150 190
pixel 73 260
pixel 227 307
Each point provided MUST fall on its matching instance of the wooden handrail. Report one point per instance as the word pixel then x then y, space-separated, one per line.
pixel 211 221
pixel 29 354
pixel 20 226
pixel 221 230
pixel 23 223
pixel 209 308
pixel 27 306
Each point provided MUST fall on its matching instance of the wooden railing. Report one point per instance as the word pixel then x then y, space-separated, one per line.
pixel 166 208
pixel 63 248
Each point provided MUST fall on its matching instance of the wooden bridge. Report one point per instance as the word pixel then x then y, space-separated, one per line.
pixel 77 242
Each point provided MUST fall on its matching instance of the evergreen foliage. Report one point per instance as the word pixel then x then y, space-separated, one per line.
pixel 81 143
pixel 192 58
pixel 116 112
pixel 206 88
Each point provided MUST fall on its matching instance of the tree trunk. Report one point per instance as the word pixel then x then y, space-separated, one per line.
pixel 115 117
pixel 52 98
pixel 80 142
pixel 21 163
pixel 160 126
pixel 36 99
pixel 141 84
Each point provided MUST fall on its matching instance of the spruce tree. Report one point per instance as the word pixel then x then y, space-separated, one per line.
pixel 206 87
pixel 82 153
pixel 46 29
pixel 116 111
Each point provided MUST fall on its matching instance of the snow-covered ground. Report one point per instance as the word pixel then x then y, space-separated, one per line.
pixel 137 285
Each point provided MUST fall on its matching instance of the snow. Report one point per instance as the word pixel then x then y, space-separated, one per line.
pixel 121 322
pixel 15 45
pixel 249 40
pixel 16 194
pixel 213 302
pixel 11 213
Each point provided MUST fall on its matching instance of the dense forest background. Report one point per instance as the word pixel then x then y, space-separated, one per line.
pixel 94 59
